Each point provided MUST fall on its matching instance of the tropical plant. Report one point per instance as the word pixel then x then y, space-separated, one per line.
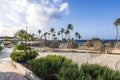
pixel 54 67
pixel 79 36
pixel 48 35
pixel 45 35
pixel 66 33
pixel 54 36
pixel 76 34
pixel 39 32
pixel 24 36
pixel 58 34
pixel 70 27
pixel 52 30
pixel 20 47
pixel 62 31
pixel 49 66
pixel 21 34
pixel 117 23
pixel 22 56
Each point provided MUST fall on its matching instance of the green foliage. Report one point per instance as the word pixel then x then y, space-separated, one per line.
pixel 49 65
pixel 20 47
pixel 96 72
pixel 69 72
pixel 64 69
pixel 1 48
pixel 21 56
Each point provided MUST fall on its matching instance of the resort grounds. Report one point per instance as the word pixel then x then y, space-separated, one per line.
pixel 8 71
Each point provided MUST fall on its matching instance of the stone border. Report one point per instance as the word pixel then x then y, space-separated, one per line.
pixel 29 74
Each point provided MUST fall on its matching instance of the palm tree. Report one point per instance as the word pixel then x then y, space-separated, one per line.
pixel 52 30
pixel 62 31
pixel 79 36
pixel 66 33
pixel 70 27
pixel 45 35
pixel 54 36
pixel 58 34
pixel 76 34
pixel 21 34
pixel 39 32
pixel 48 35
pixel 117 23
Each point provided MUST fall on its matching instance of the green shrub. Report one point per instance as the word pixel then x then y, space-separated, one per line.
pixel 21 56
pixel 48 67
pixel 96 72
pixel 69 72
pixel 20 47
pixel 18 56
pixel 54 67
pixel 1 48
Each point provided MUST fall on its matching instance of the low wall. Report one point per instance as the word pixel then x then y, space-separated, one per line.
pixel 29 74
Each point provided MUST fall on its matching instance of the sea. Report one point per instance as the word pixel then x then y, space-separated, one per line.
pixel 81 42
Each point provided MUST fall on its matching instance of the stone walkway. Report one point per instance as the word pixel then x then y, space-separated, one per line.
pixel 8 71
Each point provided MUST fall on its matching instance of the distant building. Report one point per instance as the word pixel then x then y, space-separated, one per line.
pixel 13 39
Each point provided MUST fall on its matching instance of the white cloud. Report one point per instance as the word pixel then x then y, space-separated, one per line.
pixel 6 30
pixel 57 1
pixel 19 13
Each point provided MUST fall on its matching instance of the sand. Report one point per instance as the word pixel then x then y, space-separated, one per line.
pixel 110 60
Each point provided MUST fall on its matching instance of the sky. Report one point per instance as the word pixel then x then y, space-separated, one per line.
pixel 91 18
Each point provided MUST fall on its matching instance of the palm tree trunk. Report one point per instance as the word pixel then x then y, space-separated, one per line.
pixel 62 36
pixel 39 35
pixel 66 36
pixel 117 33
pixel 58 37
pixel 69 35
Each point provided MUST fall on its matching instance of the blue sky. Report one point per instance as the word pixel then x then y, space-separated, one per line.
pixel 91 18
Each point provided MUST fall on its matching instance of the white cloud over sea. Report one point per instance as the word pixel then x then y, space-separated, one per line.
pixel 16 14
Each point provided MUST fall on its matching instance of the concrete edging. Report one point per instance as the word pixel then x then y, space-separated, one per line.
pixel 29 74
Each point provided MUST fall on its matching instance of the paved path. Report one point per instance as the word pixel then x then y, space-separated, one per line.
pixel 8 71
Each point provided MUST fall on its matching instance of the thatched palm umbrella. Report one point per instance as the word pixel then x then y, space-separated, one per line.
pixel 72 44
pixel 109 44
pixel 88 44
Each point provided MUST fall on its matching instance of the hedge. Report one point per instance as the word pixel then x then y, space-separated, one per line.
pixel 54 67
pixel 21 56
pixel 21 47
pixel 48 67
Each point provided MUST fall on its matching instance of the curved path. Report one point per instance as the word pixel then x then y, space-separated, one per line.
pixel 8 71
